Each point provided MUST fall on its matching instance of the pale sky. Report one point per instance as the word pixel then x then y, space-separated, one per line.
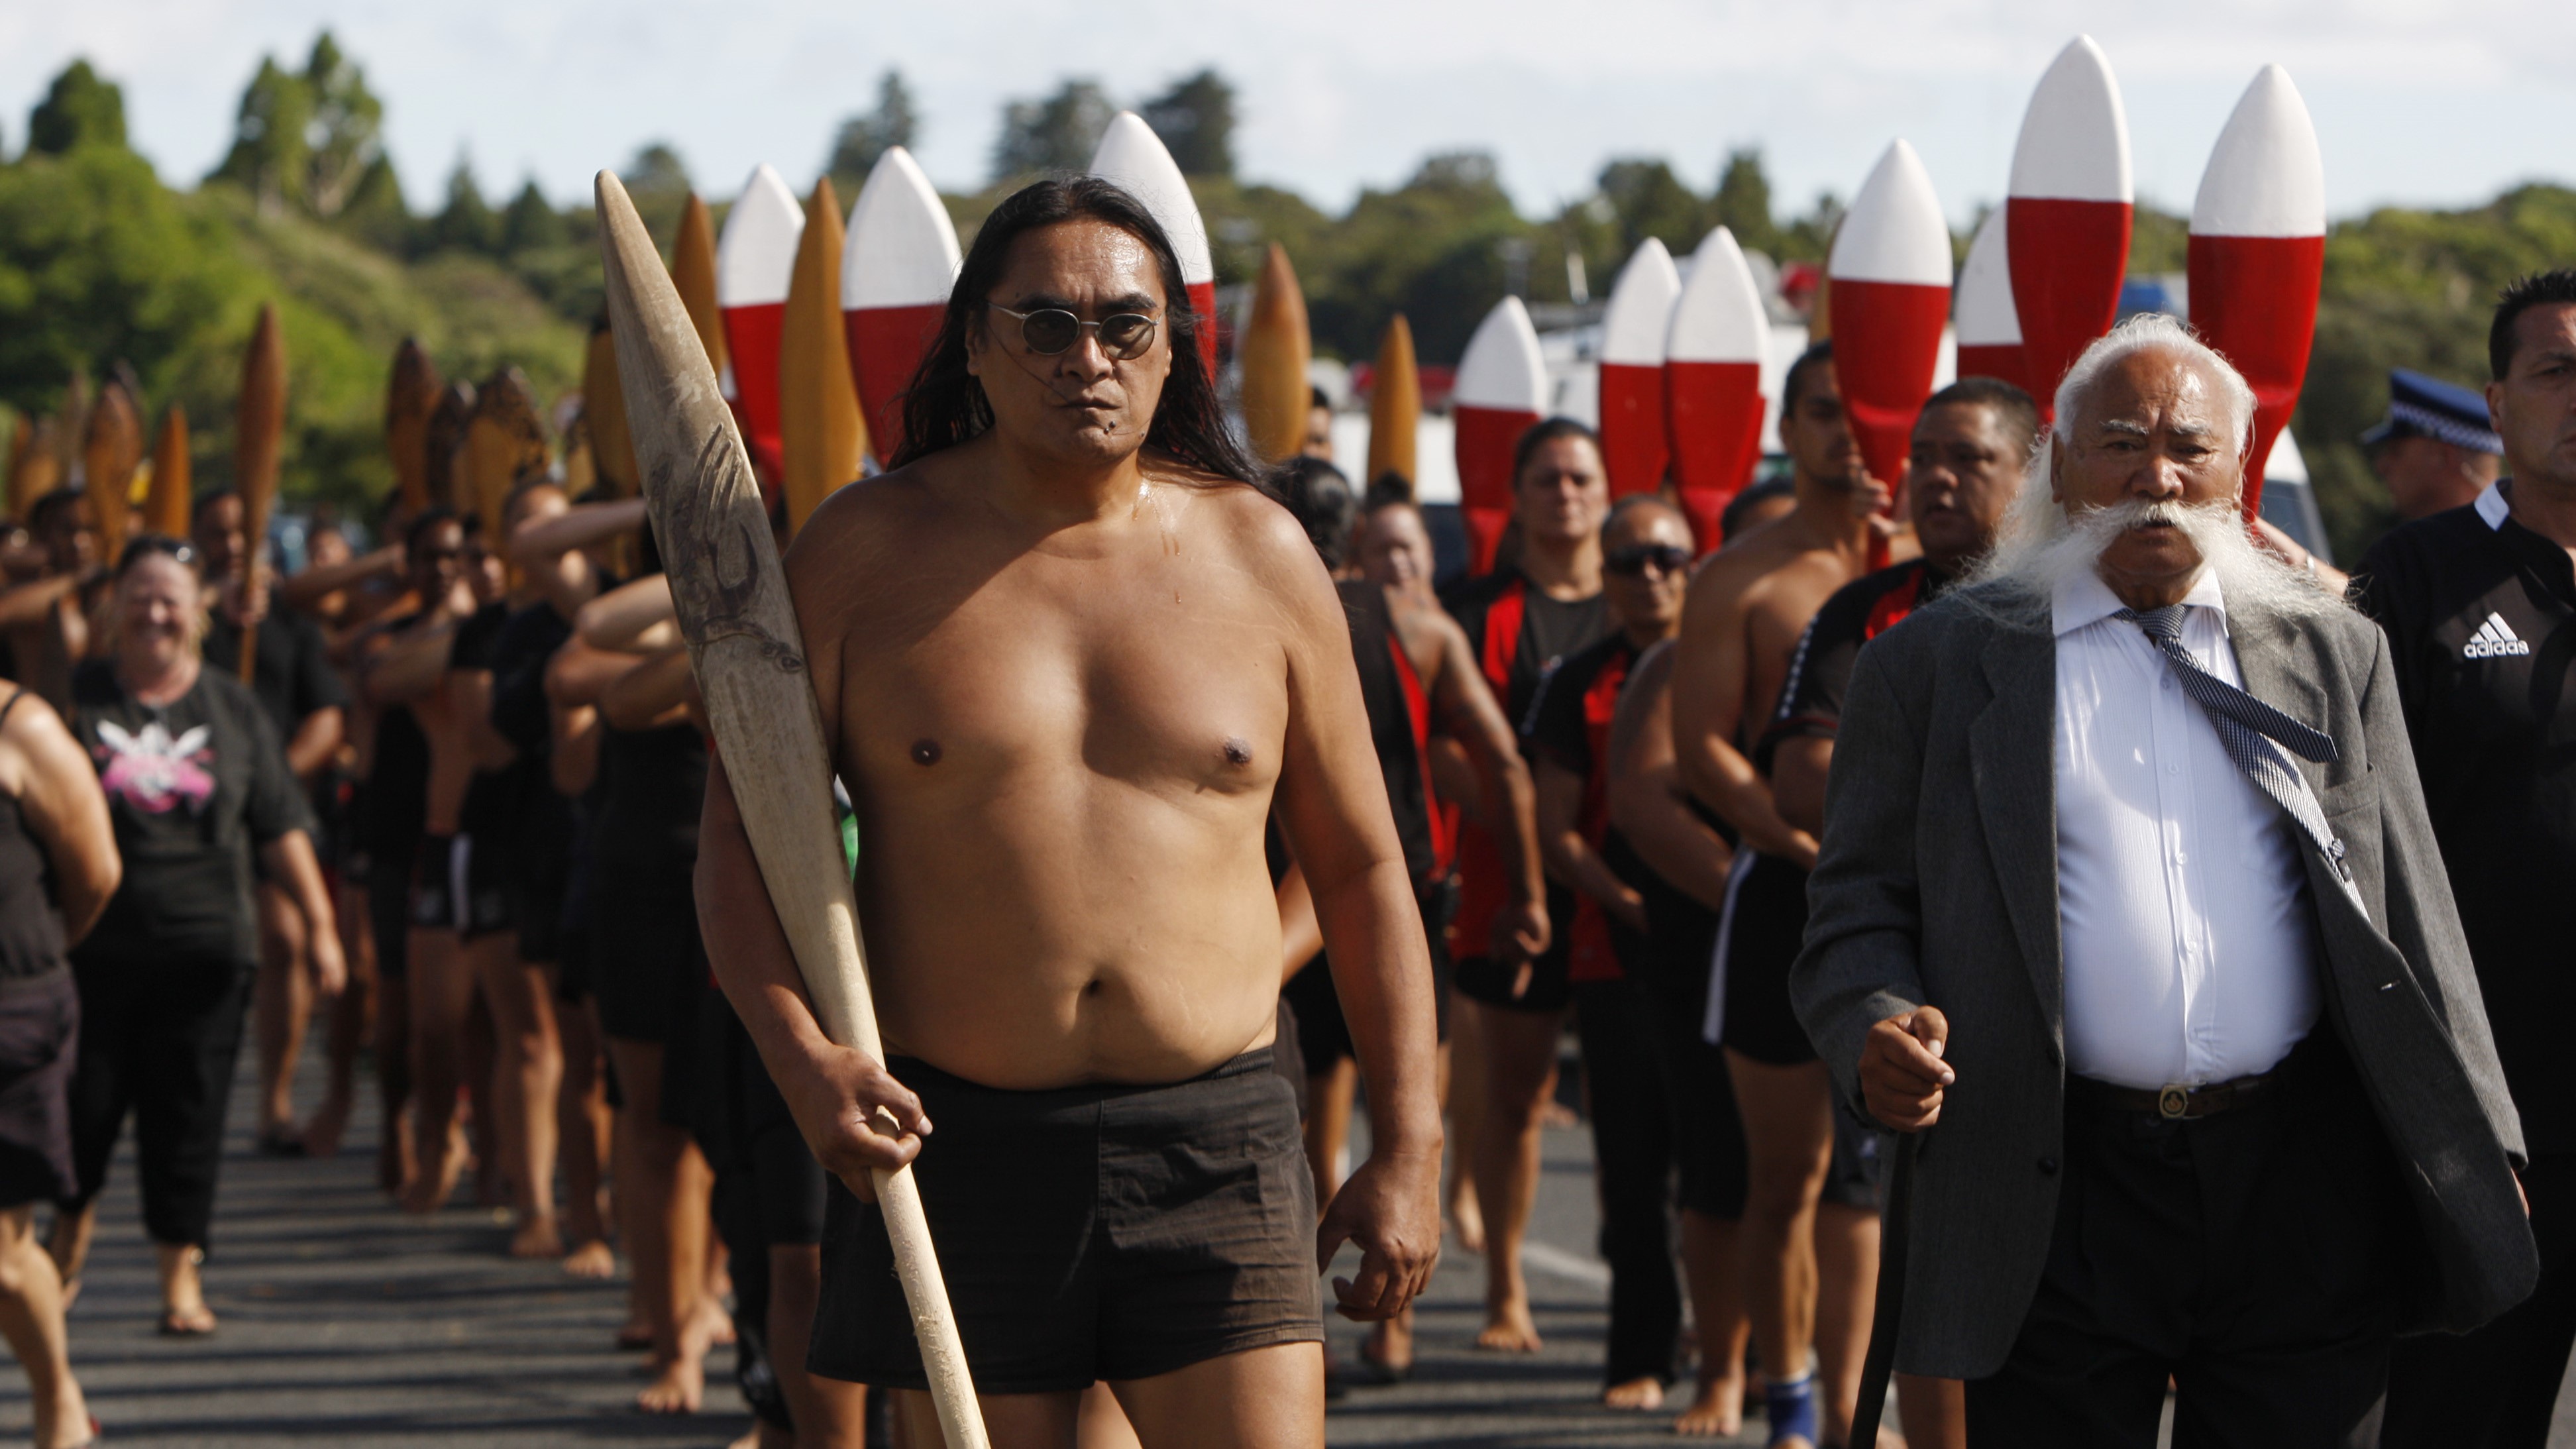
pixel 2416 102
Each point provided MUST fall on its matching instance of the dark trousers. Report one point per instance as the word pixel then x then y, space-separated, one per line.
pixel 2496 1388
pixel 1632 1152
pixel 158 1039
pixel 2254 1255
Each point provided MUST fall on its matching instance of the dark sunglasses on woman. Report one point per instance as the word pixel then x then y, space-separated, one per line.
pixel 1631 561
pixel 1050 331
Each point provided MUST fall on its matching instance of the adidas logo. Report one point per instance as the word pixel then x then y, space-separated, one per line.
pixel 2495 639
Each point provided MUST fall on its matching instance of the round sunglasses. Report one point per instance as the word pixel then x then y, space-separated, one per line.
pixel 1050 331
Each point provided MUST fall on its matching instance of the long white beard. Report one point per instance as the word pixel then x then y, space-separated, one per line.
pixel 2042 546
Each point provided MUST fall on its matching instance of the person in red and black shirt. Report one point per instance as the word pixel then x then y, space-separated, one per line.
pixel 1970 446
pixel 1646 554
pixel 1522 621
pixel 2480 608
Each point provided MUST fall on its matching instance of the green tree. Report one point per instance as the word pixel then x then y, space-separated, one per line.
pixel 531 223
pixel 658 184
pixel 99 261
pixel 1743 202
pixel 1195 120
pixel 865 138
pixel 79 109
pixel 467 223
pixel 1058 133
pixel 1650 201
pixel 311 141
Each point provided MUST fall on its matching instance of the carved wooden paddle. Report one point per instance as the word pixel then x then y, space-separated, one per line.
pixel 748 652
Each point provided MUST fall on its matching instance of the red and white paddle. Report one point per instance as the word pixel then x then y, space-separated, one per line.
pixel 2258 251
pixel 896 272
pixel 1634 447
pixel 1133 156
pixel 754 260
pixel 1890 270
pixel 2067 214
pixel 1988 329
pixel 1500 392
pixel 1713 382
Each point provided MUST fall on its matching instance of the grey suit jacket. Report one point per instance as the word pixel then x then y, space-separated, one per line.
pixel 1937 885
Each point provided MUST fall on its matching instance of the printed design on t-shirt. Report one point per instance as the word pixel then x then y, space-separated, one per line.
pixel 152 771
pixel 2495 639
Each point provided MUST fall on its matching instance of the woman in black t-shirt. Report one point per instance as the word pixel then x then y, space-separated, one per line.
pixel 197 786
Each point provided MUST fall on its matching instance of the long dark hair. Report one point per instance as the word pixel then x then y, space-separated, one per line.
pixel 945 405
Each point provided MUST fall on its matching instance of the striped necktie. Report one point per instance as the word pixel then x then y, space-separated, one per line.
pixel 2252 732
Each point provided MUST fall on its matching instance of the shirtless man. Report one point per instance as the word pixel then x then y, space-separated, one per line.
pixel 1068 662
pixel 1748 606
pixel 1963 466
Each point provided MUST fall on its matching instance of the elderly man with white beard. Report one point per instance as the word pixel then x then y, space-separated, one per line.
pixel 2127 902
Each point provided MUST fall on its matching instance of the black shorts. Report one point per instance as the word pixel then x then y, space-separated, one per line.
pixel 1853 1176
pixel 646 962
pixel 388 876
pixel 1088 1233
pixel 1766 923
pixel 455 887
pixel 39 1040
pixel 1482 978
pixel 1671 960
pixel 1323 1035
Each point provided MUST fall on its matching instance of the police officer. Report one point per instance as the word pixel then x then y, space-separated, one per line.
pixel 2480 607
pixel 2435 449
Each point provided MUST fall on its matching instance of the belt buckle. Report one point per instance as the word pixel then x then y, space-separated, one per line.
pixel 2173 1102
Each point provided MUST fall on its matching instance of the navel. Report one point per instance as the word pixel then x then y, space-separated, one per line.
pixel 925 752
pixel 1237 752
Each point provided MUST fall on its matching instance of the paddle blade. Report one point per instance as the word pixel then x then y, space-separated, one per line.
pixel 109 456
pixel 603 412
pixel 755 260
pixel 2257 254
pixel 1501 391
pixel 693 273
pixel 1891 297
pixel 821 437
pixel 1713 402
pixel 443 446
pixel 411 396
pixel 897 269
pixel 1274 354
pixel 1989 328
pixel 1395 405
pixel 1635 448
pixel 2068 213
pixel 505 445
pixel 165 509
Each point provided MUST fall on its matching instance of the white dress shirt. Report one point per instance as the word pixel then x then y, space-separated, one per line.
pixel 2189 937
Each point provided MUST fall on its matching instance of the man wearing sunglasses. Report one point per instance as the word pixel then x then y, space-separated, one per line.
pixel 1071 659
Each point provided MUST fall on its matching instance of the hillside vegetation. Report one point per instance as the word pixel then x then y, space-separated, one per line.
pixel 102 265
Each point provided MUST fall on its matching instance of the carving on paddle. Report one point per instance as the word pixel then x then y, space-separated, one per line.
pixel 718 601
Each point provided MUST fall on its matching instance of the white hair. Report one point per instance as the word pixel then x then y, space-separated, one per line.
pixel 2040 544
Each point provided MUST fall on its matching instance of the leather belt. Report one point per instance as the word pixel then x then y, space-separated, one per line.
pixel 2175 1102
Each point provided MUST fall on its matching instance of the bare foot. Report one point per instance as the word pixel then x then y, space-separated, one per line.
pixel 537 1238
pixel 322 1134
pixel 1388 1350
pixel 72 1426
pixel 709 1326
pixel 591 1260
pixel 677 1389
pixel 435 1183
pixel 1467 1220
pixel 1509 1329
pixel 1642 1396
pixel 1716 1411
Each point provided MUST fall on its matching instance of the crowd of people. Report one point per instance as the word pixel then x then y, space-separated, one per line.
pixel 1775 859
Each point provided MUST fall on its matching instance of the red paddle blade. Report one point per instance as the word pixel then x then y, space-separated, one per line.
pixel 1890 271
pixel 755 258
pixel 2067 214
pixel 1133 156
pixel 1500 392
pixel 1634 446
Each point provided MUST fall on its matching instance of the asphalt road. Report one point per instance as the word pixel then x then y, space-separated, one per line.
pixel 345 1322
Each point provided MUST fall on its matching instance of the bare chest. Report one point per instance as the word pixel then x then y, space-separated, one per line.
pixel 1159 672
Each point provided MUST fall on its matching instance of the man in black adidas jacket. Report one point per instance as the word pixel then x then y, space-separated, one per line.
pixel 2480 608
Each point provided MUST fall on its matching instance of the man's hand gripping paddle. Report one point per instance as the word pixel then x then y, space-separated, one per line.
pixel 749 656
